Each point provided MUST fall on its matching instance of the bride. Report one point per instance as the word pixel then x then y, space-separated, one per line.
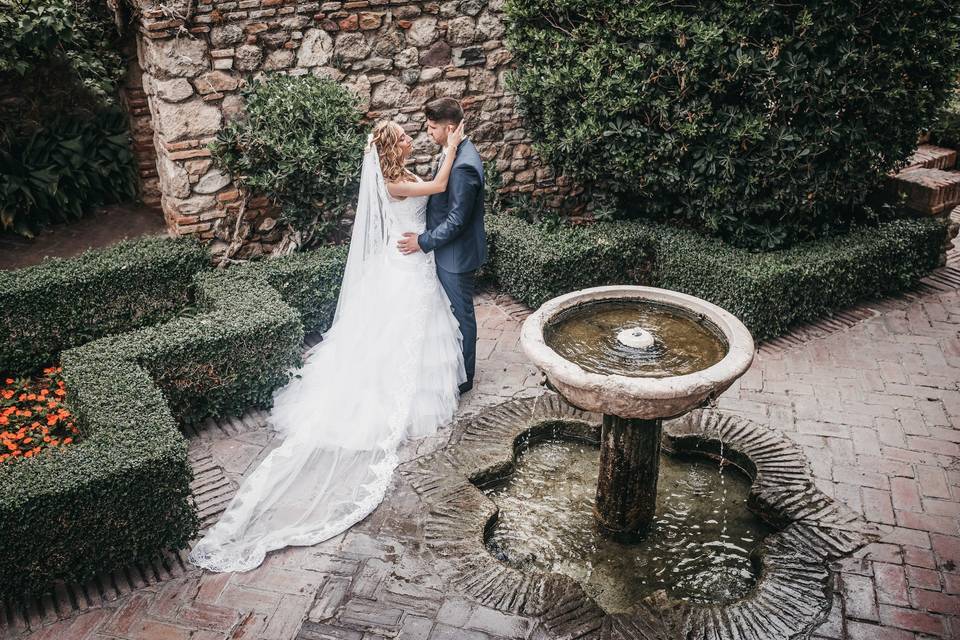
pixel 387 369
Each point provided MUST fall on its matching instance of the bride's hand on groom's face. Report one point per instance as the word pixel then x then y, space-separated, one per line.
pixel 456 136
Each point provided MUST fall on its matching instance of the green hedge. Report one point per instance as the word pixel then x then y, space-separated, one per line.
pixel 121 493
pixel 769 291
pixel 308 281
pixel 63 303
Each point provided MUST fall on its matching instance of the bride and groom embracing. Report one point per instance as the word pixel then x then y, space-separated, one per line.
pixel 392 366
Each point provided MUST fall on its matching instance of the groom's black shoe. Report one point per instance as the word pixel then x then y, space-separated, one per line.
pixel 466 386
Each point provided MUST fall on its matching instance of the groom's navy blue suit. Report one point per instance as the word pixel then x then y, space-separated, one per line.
pixel 456 236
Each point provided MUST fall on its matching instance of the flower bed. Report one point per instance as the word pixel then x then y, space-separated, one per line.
pixel 32 416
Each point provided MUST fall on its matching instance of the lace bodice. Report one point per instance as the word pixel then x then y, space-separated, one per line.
pixel 408 214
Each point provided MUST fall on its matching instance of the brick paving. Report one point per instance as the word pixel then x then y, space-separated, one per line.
pixel 875 407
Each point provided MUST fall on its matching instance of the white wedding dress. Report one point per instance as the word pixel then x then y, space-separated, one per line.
pixel 387 369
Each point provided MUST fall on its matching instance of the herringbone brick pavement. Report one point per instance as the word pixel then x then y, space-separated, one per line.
pixel 875 406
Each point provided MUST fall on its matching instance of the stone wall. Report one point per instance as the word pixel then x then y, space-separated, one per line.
pixel 395 54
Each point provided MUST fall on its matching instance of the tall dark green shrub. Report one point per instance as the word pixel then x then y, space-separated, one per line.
pixel 300 145
pixel 764 122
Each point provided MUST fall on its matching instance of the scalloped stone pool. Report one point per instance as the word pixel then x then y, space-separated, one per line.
pixel 699 549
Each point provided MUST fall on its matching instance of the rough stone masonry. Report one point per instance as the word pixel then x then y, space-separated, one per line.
pixel 396 55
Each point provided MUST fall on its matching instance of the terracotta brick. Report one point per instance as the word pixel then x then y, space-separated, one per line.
pixel 127 615
pixel 877 506
pixel 154 630
pixel 905 494
pixel 933 482
pixel 951 583
pixel 921 578
pixel 866 631
pixel 935 601
pixel 926 522
pixel 891 584
pixel 858 594
pixel 912 620
pixel 208 616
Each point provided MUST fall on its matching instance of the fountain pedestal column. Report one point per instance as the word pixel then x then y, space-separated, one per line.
pixel 627 485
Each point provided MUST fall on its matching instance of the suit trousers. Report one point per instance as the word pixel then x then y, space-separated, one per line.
pixel 459 288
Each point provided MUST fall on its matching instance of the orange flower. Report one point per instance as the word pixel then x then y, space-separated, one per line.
pixel 9 380
pixel 67 440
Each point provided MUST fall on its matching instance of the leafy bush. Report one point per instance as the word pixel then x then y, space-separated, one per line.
pixel 300 145
pixel 763 122
pixel 769 292
pixel 60 304
pixel 62 172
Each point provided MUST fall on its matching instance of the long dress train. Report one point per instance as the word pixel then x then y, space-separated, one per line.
pixel 387 369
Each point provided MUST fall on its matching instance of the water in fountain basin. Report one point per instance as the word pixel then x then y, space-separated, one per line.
pixel 699 549
pixel 587 335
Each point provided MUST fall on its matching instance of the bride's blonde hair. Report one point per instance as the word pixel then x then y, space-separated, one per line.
pixel 387 135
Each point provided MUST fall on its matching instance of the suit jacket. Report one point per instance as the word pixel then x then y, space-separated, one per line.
pixel 455 230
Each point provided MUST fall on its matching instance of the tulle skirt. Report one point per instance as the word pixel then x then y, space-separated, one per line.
pixel 388 369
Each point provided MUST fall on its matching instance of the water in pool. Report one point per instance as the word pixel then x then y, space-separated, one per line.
pixel 699 549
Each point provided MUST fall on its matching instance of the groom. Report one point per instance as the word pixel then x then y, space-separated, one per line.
pixel 455 227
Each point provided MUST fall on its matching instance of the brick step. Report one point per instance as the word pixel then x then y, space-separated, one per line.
pixel 929 156
pixel 928 191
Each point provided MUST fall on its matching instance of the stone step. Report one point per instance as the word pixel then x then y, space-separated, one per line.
pixel 928 191
pixel 931 156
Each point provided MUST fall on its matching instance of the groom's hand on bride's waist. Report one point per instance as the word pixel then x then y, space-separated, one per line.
pixel 409 244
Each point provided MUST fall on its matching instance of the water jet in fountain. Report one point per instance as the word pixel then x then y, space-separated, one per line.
pixel 697 351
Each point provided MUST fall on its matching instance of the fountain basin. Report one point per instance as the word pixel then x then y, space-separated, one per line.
pixel 637 396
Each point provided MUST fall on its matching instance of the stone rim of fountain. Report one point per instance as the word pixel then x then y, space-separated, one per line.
pixel 793 594
pixel 638 397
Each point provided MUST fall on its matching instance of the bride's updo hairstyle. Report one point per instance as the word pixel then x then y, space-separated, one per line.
pixel 387 135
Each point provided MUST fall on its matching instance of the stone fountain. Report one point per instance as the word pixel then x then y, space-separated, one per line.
pixel 637 355
pixel 508 504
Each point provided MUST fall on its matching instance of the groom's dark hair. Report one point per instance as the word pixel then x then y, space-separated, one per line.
pixel 444 110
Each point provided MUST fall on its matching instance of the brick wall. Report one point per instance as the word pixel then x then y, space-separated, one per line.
pixel 396 55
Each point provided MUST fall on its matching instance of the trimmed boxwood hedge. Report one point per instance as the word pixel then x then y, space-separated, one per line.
pixel 769 291
pixel 62 303
pixel 308 281
pixel 121 493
